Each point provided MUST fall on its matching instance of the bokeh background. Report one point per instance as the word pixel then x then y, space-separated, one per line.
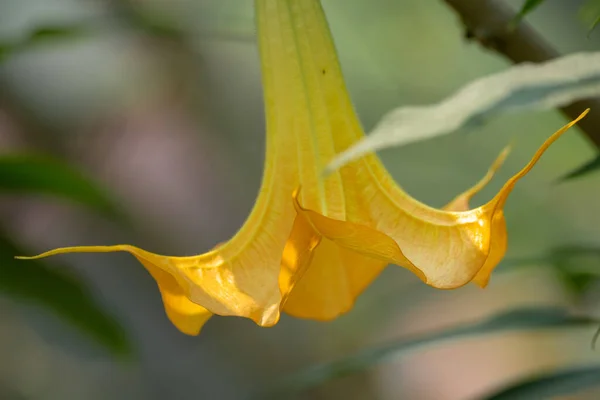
pixel 170 121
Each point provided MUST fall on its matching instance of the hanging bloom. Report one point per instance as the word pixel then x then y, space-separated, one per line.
pixel 312 244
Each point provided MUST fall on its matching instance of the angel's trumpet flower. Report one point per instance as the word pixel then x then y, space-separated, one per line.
pixel 313 253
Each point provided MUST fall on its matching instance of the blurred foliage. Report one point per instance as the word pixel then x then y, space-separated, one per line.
pixel 153 24
pixel 35 282
pixel 577 266
pixel 124 12
pixel 32 280
pixel 590 13
pixel 527 7
pixel 513 320
pixel 41 35
pixel 522 87
pixel 551 384
pixel 588 167
pixel 33 174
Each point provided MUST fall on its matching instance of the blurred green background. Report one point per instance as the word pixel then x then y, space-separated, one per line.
pixel 160 103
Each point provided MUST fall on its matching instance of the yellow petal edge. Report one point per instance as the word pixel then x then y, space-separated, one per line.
pixel 313 253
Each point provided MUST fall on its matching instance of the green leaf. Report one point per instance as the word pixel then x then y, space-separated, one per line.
pixel 590 13
pixel 576 255
pixel 5 50
pixel 521 87
pixel 527 7
pixel 52 32
pixel 39 35
pixel 577 266
pixel 514 320
pixel 588 167
pixel 551 384
pixel 594 24
pixel 578 283
pixel 32 281
pixel 39 175
pixel 127 13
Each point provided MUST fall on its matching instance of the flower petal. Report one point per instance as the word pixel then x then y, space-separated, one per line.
pixel 187 316
pixel 449 248
pixel 498 231
pixel 332 282
pixel 326 278
pixel 204 281
pixel 461 202
pixel 321 279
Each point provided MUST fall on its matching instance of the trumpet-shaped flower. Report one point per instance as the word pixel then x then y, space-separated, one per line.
pixel 312 243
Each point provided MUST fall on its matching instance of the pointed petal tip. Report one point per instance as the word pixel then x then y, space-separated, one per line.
pixel 502 195
pixel 502 156
pixel 496 205
pixel 77 249
pixel 482 282
pixel 190 325
pixel 462 201
pixel 268 318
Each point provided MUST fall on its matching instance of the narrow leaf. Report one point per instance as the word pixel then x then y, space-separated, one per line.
pixel 551 384
pixel 590 13
pixel 54 32
pixel 577 266
pixel 36 175
pixel 514 320
pixel 590 166
pixel 5 50
pixel 572 254
pixel 594 24
pixel 32 281
pixel 41 34
pixel 525 86
pixel 527 7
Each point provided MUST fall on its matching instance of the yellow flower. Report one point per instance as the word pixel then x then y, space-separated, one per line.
pixel 313 253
